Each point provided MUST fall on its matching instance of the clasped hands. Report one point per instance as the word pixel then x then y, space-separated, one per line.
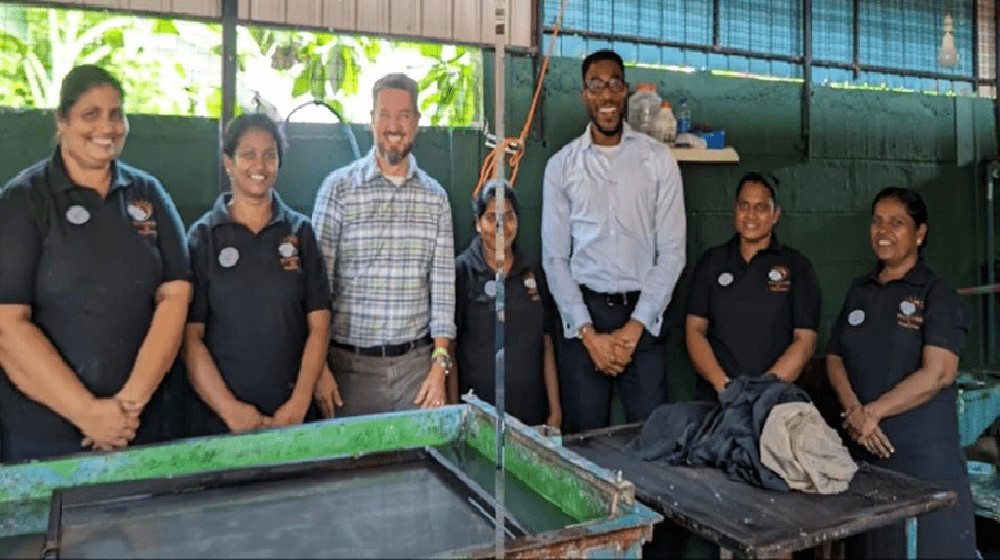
pixel 862 426
pixel 110 423
pixel 611 352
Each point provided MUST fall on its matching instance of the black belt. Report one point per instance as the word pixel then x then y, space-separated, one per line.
pixel 624 298
pixel 386 351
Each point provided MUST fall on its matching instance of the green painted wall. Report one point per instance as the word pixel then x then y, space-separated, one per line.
pixel 861 142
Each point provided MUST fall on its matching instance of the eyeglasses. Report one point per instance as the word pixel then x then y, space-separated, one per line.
pixel 596 85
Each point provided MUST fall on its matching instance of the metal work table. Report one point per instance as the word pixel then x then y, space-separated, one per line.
pixel 757 522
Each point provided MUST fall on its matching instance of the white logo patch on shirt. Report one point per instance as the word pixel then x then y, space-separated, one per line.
pixel 77 215
pixel 490 288
pixel 287 250
pixel 856 317
pixel 229 256
pixel 775 275
pixel 907 307
pixel 137 212
pixel 725 279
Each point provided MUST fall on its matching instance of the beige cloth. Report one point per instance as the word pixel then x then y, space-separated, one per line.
pixel 807 453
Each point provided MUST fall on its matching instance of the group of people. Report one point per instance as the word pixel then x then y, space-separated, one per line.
pixel 363 308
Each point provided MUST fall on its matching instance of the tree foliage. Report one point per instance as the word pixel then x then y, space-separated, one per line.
pixel 170 66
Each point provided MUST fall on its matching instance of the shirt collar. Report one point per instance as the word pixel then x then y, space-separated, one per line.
pixel 220 210
pixel 773 246
pixel 917 276
pixel 60 181
pixel 371 170
pixel 629 134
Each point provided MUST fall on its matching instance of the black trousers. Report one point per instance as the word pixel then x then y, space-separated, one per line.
pixel 586 393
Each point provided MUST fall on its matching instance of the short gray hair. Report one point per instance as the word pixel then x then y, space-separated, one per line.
pixel 396 80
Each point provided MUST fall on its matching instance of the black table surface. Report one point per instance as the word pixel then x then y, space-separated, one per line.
pixel 760 522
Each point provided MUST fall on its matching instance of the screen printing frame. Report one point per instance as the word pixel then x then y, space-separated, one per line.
pixel 137 491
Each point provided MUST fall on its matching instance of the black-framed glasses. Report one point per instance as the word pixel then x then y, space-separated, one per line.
pixel 597 85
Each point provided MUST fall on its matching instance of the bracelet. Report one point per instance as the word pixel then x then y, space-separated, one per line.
pixel 439 352
pixel 441 357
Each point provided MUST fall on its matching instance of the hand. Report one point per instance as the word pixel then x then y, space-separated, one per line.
pixel 327 394
pixel 628 336
pixel 877 444
pixel 555 419
pixel 859 422
pixel 292 413
pixel 606 353
pixel 242 417
pixel 431 393
pixel 106 425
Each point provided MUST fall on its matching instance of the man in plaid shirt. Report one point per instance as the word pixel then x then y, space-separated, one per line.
pixel 385 230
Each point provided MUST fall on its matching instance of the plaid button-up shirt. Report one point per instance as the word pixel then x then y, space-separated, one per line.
pixel 389 254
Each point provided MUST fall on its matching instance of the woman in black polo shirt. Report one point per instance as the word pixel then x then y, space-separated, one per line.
pixel 892 357
pixel 93 286
pixel 532 388
pixel 256 337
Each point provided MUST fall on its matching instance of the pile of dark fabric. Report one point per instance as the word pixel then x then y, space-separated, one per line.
pixel 724 435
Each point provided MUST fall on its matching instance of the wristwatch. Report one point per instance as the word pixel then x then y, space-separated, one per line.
pixel 441 357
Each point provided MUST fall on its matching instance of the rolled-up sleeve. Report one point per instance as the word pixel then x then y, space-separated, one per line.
pixel 557 247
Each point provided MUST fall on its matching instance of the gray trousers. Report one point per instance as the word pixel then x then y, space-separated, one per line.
pixel 373 384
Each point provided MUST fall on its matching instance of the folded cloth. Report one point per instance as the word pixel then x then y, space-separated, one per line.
pixel 804 450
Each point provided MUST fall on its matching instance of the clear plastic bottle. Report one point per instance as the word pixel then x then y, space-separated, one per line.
pixel 665 126
pixel 683 117
pixel 643 107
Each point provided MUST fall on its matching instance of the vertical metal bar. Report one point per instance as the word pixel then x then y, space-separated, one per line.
pixel 993 174
pixel 715 24
pixel 975 46
pixel 230 15
pixel 538 119
pixel 911 537
pixel 856 38
pixel 806 77
pixel 499 83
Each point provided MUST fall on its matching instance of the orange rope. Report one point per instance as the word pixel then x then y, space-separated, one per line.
pixel 516 144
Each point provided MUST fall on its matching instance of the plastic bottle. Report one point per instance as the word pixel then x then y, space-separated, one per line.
pixel 643 107
pixel 683 117
pixel 665 126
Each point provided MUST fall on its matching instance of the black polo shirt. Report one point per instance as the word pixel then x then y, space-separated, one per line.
pixel 529 313
pixel 89 268
pixel 752 308
pixel 253 293
pixel 880 334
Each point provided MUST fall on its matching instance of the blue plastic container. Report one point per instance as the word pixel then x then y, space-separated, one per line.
pixel 978 404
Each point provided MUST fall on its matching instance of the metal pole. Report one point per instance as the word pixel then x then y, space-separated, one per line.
pixel 230 13
pixel 806 77
pixel 501 248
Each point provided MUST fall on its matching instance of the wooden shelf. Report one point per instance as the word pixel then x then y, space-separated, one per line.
pixel 724 155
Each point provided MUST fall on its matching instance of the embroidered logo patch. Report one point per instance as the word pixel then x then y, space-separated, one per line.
pixel 77 215
pixel 229 256
pixel 856 317
pixel 725 279
pixel 911 313
pixel 531 285
pixel 778 279
pixel 141 212
pixel 288 252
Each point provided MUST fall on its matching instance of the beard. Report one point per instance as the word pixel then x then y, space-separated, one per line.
pixel 394 157
pixel 595 120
